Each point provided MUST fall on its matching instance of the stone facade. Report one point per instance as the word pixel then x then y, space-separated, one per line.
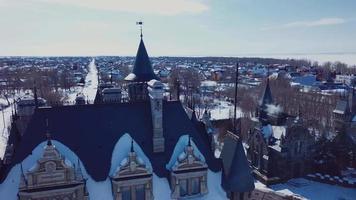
pixel 133 181
pixel 273 149
pixel 189 176
pixel 155 89
pixel 138 91
pixel 52 178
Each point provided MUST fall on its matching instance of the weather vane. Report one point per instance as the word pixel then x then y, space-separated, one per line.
pixel 140 23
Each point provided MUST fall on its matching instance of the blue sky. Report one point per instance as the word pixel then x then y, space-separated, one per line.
pixel 177 27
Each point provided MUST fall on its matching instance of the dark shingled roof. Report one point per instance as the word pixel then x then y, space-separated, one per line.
pixel 142 71
pixel 236 173
pixel 267 95
pixel 91 131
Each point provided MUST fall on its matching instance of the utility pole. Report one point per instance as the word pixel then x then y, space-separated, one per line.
pixel 235 102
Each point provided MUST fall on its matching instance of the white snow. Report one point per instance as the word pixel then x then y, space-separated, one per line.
pixel 121 151
pixel 224 110
pixel 90 87
pixel 179 149
pixel 91 82
pixel 102 190
pixel 315 190
pixel 278 131
pixel 273 109
pixel 5 121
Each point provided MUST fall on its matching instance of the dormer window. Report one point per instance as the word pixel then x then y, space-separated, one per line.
pixel 133 180
pixel 52 177
pixel 189 175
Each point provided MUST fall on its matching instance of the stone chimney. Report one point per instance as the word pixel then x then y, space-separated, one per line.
pixel 155 90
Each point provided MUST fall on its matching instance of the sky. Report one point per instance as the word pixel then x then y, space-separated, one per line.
pixel 177 27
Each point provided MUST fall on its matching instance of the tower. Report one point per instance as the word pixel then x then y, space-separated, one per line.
pixel 155 89
pixel 140 75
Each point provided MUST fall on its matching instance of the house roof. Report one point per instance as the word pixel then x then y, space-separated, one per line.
pixel 267 95
pixel 341 107
pixel 91 131
pixel 142 71
pixel 236 173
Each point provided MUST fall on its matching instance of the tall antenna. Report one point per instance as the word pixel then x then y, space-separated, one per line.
pixel 235 101
pixel 140 23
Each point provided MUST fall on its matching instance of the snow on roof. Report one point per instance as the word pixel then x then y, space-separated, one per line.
pixel 267 131
pixel 179 149
pixel 121 152
pixel 354 119
pixel 278 131
pixel 273 110
pixel 208 83
pixel 103 190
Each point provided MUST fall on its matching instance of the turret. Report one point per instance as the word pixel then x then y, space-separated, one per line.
pixel 140 75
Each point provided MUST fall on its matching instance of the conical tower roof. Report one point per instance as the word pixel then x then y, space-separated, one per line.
pixel 142 71
pixel 267 95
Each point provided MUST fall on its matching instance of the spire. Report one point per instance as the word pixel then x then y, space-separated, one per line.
pixel 189 141
pixel 35 94
pixel 132 146
pixel 142 71
pixel 48 135
pixel 194 117
pixel 267 95
pixel 140 23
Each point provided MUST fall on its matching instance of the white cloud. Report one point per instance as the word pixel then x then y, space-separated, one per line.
pixel 159 7
pixel 320 22
pixel 308 23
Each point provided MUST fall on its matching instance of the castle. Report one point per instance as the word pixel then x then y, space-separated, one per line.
pixel 144 148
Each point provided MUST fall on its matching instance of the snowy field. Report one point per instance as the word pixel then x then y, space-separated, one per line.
pixel 312 190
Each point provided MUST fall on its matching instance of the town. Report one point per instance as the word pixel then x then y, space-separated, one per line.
pixel 176 127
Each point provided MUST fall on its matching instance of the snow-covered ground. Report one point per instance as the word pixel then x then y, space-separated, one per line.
pixel 102 190
pixel 311 190
pixel 91 82
pixel 90 87
pixel 224 110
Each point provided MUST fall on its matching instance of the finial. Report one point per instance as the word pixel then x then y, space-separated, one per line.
pixel 140 23
pixel 48 135
pixel 189 142
pixel 132 147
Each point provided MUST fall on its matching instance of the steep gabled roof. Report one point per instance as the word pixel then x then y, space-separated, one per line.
pixel 267 95
pixel 142 71
pixel 236 173
pixel 91 131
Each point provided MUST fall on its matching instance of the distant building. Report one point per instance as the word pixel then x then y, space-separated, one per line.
pixel 279 147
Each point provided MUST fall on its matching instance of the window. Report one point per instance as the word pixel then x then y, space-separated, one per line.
pixel 126 193
pixel 195 183
pixel 183 187
pixel 140 192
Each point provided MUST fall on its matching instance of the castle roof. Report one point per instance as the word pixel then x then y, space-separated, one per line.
pixel 91 131
pixel 142 71
pixel 267 95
